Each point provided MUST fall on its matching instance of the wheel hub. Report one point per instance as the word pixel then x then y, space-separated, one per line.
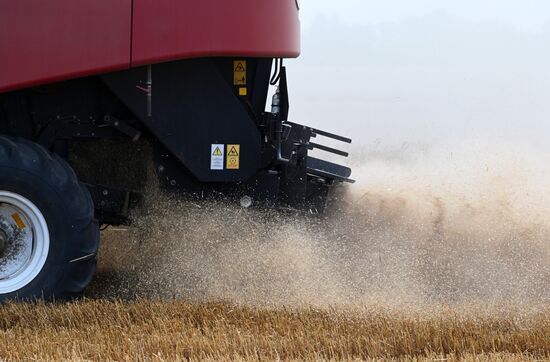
pixel 24 241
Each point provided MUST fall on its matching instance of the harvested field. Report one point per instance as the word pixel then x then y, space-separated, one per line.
pixel 103 330
pixel 429 260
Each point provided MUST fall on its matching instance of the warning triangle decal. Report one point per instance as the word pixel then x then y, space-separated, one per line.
pixel 240 68
pixel 217 152
pixel 233 152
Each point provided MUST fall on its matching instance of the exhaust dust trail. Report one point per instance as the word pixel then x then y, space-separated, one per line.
pixel 464 222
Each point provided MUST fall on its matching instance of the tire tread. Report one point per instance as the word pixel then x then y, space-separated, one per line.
pixel 59 175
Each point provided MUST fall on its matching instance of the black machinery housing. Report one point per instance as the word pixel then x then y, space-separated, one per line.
pixel 110 126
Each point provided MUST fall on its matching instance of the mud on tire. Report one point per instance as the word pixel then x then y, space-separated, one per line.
pixel 62 259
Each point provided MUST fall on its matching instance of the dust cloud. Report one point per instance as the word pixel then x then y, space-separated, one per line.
pixel 454 223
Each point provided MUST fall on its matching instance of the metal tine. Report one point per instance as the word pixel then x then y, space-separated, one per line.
pixel 323 133
pixel 327 149
pixel 331 135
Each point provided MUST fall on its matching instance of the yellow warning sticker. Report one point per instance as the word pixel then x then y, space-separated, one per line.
pixel 239 72
pixel 233 157
pixel 20 224
pixel 243 92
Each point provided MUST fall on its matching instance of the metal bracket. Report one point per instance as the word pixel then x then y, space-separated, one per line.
pixel 123 127
pixel 71 127
pixel 112 205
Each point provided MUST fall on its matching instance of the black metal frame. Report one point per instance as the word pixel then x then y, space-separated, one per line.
pixel 182 108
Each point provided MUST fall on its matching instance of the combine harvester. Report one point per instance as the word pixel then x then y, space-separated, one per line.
pixel 92 91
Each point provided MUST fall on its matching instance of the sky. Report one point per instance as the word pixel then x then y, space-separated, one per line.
pixel 399 71
pixel 527 15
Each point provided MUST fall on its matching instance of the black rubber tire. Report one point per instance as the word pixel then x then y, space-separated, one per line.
pixel 29 170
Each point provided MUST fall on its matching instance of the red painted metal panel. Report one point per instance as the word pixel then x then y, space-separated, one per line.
pixel 173 29
pixel 46 41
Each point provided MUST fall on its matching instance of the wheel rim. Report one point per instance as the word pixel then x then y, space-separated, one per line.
pixel 25 250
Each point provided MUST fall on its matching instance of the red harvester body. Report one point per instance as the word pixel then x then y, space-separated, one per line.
pixel 75 38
